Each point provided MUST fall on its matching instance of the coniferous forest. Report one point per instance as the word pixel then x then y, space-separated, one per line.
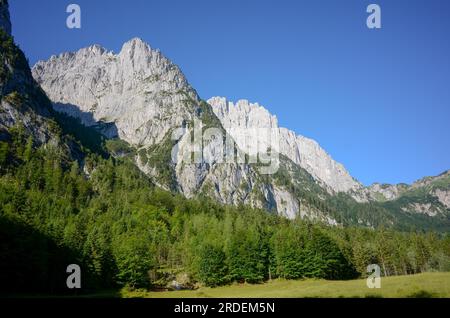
pixel 123 231
pixel 74 197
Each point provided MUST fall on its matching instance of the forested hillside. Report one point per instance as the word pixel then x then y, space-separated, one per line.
pixel 68 195
pixel 122 230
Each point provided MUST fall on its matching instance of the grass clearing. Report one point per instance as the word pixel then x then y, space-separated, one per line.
pixel 421 285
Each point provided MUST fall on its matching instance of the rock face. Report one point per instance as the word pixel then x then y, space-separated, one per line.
pixel 437 186
pixel 146 100
pixel 138 90
pixel 422 208
pixel 286 204
pixel 443 196
pixel 245 116
pixel 143 98
pixel 22 102
pixel 429 195
pixel 385 192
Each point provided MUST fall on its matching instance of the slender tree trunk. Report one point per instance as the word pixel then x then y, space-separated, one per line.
pixel 384 267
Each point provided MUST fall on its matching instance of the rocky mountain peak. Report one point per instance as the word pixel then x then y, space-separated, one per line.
pixel 144 98
pixel 141 97
pixel 139 54
pixel 428 180
pixel 136 45
pixel 303 151
pixel 126 89
pixel 96 49
pixel 243 114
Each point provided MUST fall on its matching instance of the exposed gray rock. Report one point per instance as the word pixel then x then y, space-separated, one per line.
pixel 423 208
pixel 143 98
pixel 139 90
pixel 385 192
pixel 146 97
pixel 244 121
pixel 287 205
pixel 21 101
pixel 443 197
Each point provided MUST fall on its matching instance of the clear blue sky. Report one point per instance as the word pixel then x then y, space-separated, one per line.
pixel 377 100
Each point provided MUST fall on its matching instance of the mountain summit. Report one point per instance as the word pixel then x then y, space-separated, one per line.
pixel 141 97
pixel 301 150
pixel 126 89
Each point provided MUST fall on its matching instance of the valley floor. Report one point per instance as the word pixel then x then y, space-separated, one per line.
pixel 420 285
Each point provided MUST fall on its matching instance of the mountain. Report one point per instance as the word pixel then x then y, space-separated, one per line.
pixel 127 90
pixel 27 117
pixel 23 103
pixel 243 116
pixel 65 199
pixel 429 196
pixel 141 97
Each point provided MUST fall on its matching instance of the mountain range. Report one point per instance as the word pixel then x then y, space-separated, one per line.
pixel 139 100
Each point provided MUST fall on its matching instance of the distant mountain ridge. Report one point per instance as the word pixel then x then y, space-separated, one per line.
pixel 301 150
pixel 305 152
pixel 141 97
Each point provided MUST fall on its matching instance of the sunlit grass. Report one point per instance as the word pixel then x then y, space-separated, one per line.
pixel 421 285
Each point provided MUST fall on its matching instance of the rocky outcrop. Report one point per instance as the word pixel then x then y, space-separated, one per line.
pixel 385 192
pixel 286 203
pixel 22 102
pixel 147 100
pixel 443 196
pixel 143 98
pixel 429 195
pixel 139 90
pixel 245 121
pixel 421 208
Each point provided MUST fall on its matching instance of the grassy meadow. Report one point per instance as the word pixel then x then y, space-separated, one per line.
pixel 420 285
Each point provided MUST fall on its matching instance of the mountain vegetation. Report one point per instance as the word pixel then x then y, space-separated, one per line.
pixel 69 195
pixel 125 231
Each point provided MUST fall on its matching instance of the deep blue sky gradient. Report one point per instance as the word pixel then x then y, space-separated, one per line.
pixel 377 100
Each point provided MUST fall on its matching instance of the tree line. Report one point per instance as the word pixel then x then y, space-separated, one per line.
pixel 105 215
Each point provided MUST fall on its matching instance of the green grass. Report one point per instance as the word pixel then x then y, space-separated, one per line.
pixel 421 285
